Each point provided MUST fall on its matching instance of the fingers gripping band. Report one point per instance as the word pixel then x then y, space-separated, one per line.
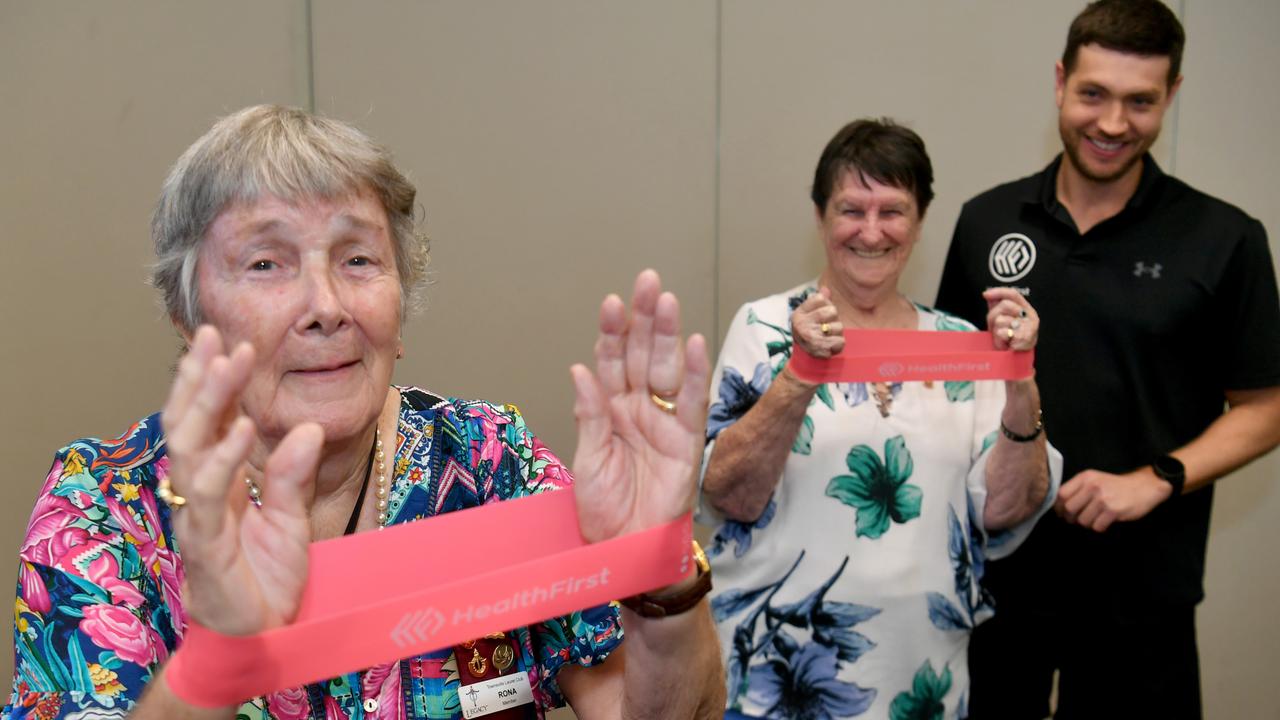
pixel 901 355
pixel 447 597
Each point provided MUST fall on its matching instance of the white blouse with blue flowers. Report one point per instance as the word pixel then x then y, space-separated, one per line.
pixel 854 593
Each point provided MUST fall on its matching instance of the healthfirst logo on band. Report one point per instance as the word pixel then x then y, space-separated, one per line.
pixel 890 370
pixel 1012 257
pixel 419 625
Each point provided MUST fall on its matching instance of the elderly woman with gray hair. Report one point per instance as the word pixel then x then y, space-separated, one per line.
pixel 288 259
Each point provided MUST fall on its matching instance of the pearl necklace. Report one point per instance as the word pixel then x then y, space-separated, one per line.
pixel 378 461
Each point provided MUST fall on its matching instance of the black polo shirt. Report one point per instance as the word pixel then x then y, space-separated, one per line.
pixel 1145 321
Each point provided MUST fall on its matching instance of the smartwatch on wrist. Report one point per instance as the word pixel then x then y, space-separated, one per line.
pixel 1170 469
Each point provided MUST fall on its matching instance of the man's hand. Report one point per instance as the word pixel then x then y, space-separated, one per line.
pixel 1095 499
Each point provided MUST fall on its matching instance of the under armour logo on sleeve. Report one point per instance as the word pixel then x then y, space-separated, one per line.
pixel 1153 270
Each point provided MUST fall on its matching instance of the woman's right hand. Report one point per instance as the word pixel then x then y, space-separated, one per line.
pixel 1012 322
pixel 807 325
pixel 245 570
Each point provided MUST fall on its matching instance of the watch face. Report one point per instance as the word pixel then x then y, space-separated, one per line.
pixel 1169 467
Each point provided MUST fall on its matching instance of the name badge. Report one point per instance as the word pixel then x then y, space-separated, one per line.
pixel 490 696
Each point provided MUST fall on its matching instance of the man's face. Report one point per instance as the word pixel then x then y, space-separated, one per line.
pixel 1110 109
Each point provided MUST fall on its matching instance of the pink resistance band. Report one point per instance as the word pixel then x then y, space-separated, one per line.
pixel 900 355
pixel 478 571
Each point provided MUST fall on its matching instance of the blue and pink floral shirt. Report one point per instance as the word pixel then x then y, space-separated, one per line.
pixel 99 606
pixel 854 592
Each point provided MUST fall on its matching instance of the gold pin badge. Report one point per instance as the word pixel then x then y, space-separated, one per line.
pixel 477 664
pixel 503 656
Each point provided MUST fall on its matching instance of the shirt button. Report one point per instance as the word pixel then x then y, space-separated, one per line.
pixel 371 705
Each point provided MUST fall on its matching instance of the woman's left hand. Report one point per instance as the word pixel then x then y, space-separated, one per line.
pixel 1013 323
pixel 636 463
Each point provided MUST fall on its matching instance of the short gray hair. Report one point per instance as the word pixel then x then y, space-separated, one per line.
pixel 292 154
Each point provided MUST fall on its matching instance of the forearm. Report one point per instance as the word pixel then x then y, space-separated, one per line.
pixel 159 703
pixel 673 666
pixel 1249 429
pixel 1017 472
pixel 749 455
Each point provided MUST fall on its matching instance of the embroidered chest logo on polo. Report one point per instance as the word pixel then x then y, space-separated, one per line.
pixel 1152 271
pixel 1012 257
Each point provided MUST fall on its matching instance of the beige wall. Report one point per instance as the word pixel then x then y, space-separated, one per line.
pixel 558 148
pixel 1227 145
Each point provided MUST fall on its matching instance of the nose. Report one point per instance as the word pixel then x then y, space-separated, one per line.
pixel 872 231
pixel 325 312
pixel 1114 120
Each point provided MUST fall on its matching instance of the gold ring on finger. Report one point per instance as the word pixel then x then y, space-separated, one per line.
pixel 1008 333
pixel 164 491
pixel 825 328
pixel 663 404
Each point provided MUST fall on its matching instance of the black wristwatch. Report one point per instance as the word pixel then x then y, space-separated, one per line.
pixel 1169 469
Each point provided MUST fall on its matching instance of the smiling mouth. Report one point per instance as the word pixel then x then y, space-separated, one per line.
pixel 326 368
pixel 870 254
pixel 1104 146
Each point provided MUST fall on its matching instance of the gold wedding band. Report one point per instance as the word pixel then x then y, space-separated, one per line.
pixel 663 404
pixel 1008 333
pixel 825 328
pixel 164 491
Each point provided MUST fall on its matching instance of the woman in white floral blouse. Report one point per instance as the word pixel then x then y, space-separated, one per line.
pixel 853 518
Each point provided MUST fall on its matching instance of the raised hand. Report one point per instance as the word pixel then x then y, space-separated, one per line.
pixel 1013 323
pixel 816 314
pixel 245 568
pixel 636 463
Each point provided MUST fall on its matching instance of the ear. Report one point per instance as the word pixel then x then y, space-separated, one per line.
pixel 187 335
pixel 1173 90
pixel 1059 83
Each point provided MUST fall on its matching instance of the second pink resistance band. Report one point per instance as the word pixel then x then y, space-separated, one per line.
pixel 902 355
pixel 477 571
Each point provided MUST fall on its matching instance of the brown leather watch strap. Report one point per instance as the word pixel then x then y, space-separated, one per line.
pixel 660 606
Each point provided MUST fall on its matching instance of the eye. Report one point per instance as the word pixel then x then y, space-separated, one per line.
pixel 359 261
pixel 262 265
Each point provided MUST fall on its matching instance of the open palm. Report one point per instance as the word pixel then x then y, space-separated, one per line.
pixel 636 464
pixel 245 571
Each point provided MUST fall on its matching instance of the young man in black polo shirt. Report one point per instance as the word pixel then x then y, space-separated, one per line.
pixel 1158 304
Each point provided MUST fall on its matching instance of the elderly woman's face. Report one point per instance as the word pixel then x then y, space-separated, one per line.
pixel 313 287
pixel 868 229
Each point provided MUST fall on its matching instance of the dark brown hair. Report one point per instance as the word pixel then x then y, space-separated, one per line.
pixel 1139 27
pixel 881 149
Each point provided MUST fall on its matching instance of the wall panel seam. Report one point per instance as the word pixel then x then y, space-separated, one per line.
pixel 714 340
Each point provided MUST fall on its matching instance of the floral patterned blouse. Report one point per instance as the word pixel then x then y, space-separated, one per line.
pixel 99 608
pixel 854 592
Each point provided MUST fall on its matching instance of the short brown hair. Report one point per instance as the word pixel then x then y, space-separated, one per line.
pixel 881 149
pixel 1138 27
